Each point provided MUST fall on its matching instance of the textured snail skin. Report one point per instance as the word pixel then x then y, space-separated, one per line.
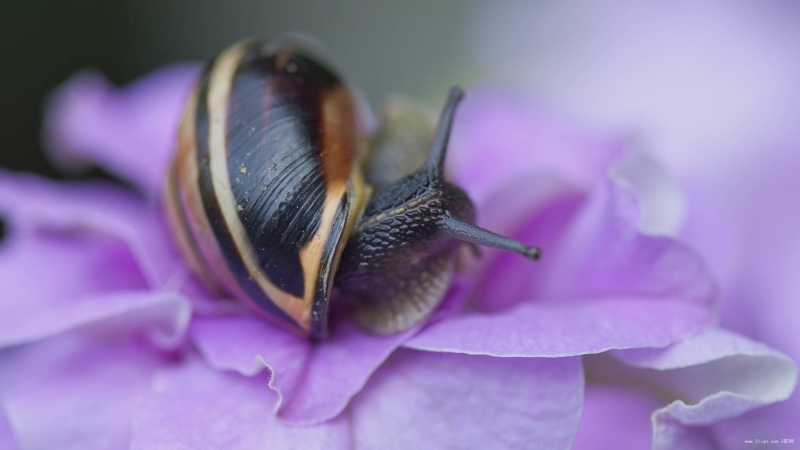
pixel 268 201
pixel 397 267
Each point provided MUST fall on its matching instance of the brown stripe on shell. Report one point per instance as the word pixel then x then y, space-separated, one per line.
pixel 181 229
pixel 338 144
pixel 338 135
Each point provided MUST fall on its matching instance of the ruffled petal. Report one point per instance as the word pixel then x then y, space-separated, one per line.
pixel 76 391
pixel 717 375
pixel 196 407
pixel 459 401
pixel 131 132
pixel 707 378
pixel 754 245
pixel 315 382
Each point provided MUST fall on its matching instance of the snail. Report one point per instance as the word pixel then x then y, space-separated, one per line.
pixel 279 199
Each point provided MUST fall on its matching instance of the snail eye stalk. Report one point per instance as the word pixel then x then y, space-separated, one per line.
pixel 462 231
pixel 450 226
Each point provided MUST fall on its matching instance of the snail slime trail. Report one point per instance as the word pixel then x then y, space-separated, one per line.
pixel 267 199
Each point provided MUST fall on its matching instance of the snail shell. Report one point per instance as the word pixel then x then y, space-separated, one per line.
pixel 266 189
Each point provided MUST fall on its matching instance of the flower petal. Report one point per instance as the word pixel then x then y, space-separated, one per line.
pixel 605 252
pixel 33 204
pixel 62 264
pixel 195 407
pixel 7 440
pixel 500 136
pixel 535 210
pixel 608 246
pixel 716 375
pixel 532 330
pixel 131 132
pixel 615 417
pixel 49 284
pixel 663 206
pixel 606 285
pixel 754 245
pixel 315 382
pixel 459 401
pixel 167 316
pixel 76 391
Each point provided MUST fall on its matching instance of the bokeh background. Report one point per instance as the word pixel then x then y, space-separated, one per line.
pixel 381 46
pixel 692 78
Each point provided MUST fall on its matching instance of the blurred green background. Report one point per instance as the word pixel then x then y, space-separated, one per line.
pixel 693 80
pixel 380 46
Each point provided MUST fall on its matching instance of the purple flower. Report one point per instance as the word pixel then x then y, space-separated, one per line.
pixel 110 342
pixel 711 88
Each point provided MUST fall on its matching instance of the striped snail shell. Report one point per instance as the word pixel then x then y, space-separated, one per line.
pixel 269 202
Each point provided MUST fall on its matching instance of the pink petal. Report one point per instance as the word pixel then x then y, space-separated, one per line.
pixel 425 400
pixel 131 132
pixel 314 381
pixel 75 392
pixel 615 417
pixel 526 172
pixel 660 196
pixel 195 407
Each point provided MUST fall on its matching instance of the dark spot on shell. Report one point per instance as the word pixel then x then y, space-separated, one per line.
pixel 2 229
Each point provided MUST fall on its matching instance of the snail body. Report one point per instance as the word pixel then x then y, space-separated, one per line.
pixel 268 199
